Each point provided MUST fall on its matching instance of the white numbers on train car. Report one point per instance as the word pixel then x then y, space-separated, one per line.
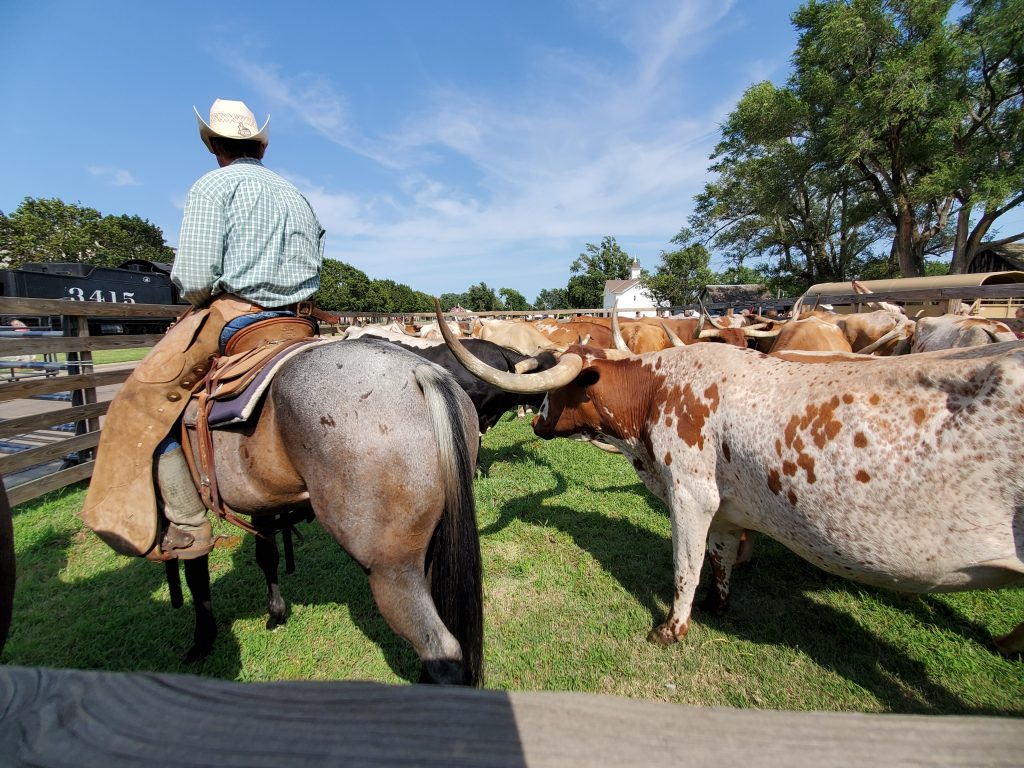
pixel 126 297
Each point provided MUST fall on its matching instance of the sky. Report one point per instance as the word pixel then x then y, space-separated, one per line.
pixel 442 144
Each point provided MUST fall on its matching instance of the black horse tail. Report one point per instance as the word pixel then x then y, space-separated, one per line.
pixel 456 571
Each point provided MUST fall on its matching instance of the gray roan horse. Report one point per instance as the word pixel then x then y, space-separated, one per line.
pixel 381 447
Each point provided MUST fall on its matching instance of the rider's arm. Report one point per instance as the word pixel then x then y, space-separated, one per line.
pixel 199 260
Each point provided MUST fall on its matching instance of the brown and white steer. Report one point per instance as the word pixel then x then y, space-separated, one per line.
pixel 905 472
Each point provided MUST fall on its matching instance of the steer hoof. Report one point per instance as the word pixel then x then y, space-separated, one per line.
pixel 662 635
pixel 1012 645
pixel 714 604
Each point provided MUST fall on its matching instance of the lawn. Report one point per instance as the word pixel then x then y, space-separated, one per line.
pixel 577 569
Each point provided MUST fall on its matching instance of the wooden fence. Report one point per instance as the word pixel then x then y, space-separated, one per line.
pixel 63 376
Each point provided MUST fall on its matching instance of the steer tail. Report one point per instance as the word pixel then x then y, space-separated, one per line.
pixel 456 582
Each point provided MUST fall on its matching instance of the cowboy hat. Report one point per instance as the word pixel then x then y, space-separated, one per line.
pixel 231 120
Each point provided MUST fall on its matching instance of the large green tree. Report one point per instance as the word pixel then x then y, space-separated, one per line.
pixel 513 300
pixel 481 298
pixel 986 169
pixel 592 269
pixel 773 201
pixel 682 273
pixel 551 298
pixel 899 95
pixel 343 288
pixel 449 300
pixel 48 229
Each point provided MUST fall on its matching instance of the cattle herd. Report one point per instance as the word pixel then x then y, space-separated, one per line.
pixel 880 448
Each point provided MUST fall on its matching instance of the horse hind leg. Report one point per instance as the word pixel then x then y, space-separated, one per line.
pixel 269 559
pixel 403 597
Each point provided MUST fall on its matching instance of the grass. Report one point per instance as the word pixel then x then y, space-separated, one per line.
pixel 101 356
pixel 577 562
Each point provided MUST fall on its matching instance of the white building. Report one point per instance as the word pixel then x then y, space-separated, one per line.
pixel 630 293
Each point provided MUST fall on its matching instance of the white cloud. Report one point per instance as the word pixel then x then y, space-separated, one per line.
pixel 117 177
pixel 478 180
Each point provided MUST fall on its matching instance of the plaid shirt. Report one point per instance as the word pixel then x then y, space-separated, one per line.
pixel 249 232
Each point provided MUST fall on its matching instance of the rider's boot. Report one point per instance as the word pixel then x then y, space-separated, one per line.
pixel 189 533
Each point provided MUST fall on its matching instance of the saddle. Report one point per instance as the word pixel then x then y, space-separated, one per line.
pixel 232 392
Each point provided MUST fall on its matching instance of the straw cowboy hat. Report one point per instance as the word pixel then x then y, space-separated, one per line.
pixel 231 120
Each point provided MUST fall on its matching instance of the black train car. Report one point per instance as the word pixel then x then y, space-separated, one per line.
pixel 133 282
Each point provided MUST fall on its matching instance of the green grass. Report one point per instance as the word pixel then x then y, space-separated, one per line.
pixel 102 356
pixel 577 562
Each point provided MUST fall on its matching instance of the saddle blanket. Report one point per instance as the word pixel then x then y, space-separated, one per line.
pixel 234 405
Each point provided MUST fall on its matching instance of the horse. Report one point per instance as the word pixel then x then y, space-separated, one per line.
pixel 380 446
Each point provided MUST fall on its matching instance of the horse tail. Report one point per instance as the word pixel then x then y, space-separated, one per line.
pixel 454 560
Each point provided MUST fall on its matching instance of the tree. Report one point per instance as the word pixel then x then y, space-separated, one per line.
pixel 449 300
pixel 987 170
pixel 343 288
pixel 773 200
pixel 682 273
pixel 886 81
pixel 480 298
pixel 43 230
pixel 121 238
pixel 592 269
pixel 513 300
pixel 551 298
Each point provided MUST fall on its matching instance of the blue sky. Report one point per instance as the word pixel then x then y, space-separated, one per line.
pixel 441 143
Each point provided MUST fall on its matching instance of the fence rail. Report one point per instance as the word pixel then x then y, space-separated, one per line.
pixel 50 399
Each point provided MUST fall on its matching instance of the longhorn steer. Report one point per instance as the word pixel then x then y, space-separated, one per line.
pixel 491 403
pixel 842 463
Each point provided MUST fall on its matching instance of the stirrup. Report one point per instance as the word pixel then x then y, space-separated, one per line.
pixel 180 544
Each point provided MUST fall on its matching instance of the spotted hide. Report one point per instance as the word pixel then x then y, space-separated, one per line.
pixel 902 472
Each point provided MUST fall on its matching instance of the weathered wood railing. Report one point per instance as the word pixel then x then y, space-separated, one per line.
pixel 76 378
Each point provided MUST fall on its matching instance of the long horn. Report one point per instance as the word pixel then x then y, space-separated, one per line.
pixel 896 332
pixel 620 343
pixel 676 341
pixel 704 313
pixel 797 308
pixel 757 333
pixel 568 367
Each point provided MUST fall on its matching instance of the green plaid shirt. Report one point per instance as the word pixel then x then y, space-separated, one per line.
pixel 249 232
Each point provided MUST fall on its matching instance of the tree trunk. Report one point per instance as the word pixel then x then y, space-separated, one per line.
pixel 903 245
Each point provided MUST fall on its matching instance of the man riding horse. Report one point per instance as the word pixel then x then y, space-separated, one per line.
pixel 251 249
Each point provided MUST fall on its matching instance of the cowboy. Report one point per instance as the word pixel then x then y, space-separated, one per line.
pixel 251 248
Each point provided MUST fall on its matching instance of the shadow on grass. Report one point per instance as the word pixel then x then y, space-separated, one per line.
pixel 112 621
pixel 771 601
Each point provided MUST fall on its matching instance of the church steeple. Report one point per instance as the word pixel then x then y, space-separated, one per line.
pixel 634 270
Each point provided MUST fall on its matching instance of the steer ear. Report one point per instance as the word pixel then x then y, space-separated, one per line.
pixel 588 377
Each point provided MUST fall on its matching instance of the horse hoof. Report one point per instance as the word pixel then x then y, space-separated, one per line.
pixel 442 672
pixel 662 635
pixel 196 654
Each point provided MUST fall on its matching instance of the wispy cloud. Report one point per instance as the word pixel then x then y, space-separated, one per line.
pixel 481 177
pixel 117 177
